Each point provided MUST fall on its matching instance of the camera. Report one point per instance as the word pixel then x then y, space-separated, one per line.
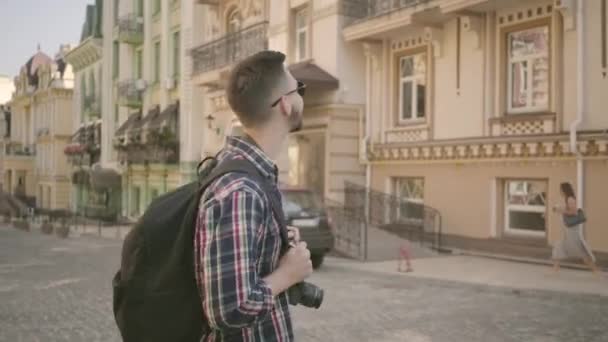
pixel 307 294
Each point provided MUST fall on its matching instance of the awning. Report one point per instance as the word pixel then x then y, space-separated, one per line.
pixel 170 113
pixel 140 124
pixel 104 179
pixel 76 136
pixel 313 76
pixel 122 130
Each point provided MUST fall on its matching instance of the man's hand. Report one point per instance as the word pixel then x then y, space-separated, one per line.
pixel 293 234
pixel 294 267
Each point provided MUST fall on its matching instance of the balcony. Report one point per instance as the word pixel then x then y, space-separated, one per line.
pixel 230 49
pixel 366 9
pixel 92 107
pixel 130 93
pixel 130 29
pixel 150 139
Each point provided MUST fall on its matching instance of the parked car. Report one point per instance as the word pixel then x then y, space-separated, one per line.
pixel 304 210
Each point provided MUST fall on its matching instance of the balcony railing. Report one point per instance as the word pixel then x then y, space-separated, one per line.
pixel 91 106
pixel 131 29
pixel 366 9
pixel 230 48
pixel 19 150
pixel 130 93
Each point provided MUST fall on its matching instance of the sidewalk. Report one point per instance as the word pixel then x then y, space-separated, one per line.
pixel 486 271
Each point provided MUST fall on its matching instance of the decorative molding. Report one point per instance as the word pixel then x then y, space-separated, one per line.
pixel 549 147
pixel 472 25
pixel 407 135
pixel 567 8
pixel 408 43
pixel 522 15
pixel 525 125
pixel 434 36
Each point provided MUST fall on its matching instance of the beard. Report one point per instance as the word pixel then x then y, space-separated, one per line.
pixel 296 120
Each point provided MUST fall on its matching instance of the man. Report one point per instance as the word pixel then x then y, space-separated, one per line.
pixel 241 275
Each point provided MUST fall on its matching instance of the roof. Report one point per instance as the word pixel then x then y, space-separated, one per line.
pixel 314 76
pixel 36 61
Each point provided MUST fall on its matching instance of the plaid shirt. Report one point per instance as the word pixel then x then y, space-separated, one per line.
pixel 237 243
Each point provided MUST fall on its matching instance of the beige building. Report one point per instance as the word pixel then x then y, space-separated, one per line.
pixel 35 169
pixel 481 109
pixel 6 91
pixel 325 153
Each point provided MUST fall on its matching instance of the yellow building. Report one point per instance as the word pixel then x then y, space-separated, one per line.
pixel 141 108
pixel 481 109
pixel 35 169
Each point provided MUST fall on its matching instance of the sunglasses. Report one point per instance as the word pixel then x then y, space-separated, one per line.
pixel 301 89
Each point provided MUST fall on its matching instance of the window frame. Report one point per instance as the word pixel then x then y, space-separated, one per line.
pixel 398 90
pixel 502 67
pixel 176 54
pixel 157 62
pixel 507 207
pixel 529 60
pixel 299 56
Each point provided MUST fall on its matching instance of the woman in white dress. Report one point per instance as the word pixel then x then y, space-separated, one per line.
pixel 572 244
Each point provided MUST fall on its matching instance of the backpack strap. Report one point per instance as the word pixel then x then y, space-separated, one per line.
pixel 247 167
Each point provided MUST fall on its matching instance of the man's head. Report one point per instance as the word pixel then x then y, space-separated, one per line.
pixel 261 90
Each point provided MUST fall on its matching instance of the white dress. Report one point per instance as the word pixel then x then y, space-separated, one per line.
pixel 572 245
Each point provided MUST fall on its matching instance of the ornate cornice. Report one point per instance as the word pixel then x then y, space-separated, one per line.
pixel 531 148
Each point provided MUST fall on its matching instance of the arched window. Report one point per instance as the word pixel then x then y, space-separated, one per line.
pixel 233 21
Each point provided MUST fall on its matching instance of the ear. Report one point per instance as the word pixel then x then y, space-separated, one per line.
pixel 285 106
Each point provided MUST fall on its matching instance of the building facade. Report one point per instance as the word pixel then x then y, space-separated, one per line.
pixel 90 197
pixel 6 91
pixel 482 108
pixel 142 56
pixel 326 152
pixel 35 169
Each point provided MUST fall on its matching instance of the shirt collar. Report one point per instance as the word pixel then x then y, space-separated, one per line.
pixel 246 147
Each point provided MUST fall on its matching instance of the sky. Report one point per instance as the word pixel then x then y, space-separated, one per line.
pixel 26 23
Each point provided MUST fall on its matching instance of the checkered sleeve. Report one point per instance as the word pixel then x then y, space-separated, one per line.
pixel 233 294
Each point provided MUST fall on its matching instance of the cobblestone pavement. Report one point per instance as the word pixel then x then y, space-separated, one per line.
pixel 59 290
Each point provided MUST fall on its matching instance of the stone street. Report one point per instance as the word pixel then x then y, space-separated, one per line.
pixel 59 290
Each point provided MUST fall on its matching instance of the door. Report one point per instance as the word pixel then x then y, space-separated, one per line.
pixel 306 152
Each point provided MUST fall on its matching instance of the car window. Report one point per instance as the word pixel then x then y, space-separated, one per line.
pixel 298 201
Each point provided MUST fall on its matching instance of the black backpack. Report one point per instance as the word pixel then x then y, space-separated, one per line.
pixel 155 292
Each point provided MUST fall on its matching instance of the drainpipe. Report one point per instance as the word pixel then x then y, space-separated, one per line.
pixel 580 103
pixel 367 140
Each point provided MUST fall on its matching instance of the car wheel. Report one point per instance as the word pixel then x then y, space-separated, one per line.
pixel 317 260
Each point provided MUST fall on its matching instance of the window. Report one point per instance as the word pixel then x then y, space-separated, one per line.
pixel 116 8
pixel 301 33
pixel 135 200
pixel 525 207
pixel 233 22
pixel 176 55
pixel 409 192
pixel 412 87
pixel 139 64
pixel 528 70
pixel 156 7
pixel 156 62
pixel 115 65
pixel 153 194
pixel 139 10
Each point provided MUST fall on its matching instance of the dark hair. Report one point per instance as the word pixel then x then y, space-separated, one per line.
pixel 251 85
pixel 567 190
